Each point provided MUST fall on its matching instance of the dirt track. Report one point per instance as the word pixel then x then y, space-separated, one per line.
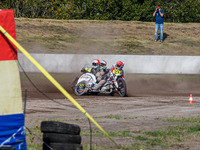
pixel 151 100
pixel 137 113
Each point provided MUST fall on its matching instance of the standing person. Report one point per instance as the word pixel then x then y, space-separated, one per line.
pixel 159 23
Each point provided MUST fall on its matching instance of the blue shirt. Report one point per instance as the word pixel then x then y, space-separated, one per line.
pixel 159 19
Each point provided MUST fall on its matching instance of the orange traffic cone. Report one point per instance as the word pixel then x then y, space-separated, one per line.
pixel 190 99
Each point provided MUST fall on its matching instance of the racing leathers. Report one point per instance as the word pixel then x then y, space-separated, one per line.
pixel 113 68
pixel 90 70
pixel 102 77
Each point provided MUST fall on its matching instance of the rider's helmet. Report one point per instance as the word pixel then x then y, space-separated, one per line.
pixel 95 63
pixel 103 63
pixel 119 65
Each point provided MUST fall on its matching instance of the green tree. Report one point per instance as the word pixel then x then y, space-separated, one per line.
pixel 175 10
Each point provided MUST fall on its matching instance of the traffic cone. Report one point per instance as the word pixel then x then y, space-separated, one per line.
pixel 190 99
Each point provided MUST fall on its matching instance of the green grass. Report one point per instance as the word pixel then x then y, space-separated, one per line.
pixel 131 44
pixel 190 43
pixel 111 117
pixel 135 146
pixel 134 47
pixel 32 135
pixel 189 120
pixel 33 146
pixel 95 147
pixel 158 139
pixel 193 129
pixel 182 129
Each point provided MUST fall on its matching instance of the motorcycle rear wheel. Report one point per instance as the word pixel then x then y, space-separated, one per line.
pixel 80 88
pixel 122 91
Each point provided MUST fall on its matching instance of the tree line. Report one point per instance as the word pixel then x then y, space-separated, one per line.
pixel 127 10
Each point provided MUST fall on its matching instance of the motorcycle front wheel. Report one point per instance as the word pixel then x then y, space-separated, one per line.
pixel 80 88
pixel 121 87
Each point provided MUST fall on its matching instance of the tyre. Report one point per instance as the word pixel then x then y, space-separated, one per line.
pixel 62 146
pixel 7 147
pixel 61 138
pixel 59 127
pixel 122 87
pixel 80 88
pixel 112 93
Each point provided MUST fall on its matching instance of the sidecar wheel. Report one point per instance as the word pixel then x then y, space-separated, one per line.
pixel 80 88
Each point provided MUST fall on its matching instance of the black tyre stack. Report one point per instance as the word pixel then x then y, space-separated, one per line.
pixel 60 136
pixel 7 147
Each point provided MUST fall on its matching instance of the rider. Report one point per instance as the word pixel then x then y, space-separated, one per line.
pixel 95 66
pixel 103 70
pixel 101 75
pixel 119 65
pixel 94 69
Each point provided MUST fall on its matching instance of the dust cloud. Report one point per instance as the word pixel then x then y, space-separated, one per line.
pixel 137 85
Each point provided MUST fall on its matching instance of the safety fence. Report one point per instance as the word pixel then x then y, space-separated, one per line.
pixel 137 64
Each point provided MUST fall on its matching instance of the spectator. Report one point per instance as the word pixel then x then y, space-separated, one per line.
pixel 159 23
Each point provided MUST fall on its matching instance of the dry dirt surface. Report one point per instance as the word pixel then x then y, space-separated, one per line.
pixel 147 105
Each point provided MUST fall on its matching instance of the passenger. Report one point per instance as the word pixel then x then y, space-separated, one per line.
pixel 95 66
pixel 94 69
pixel 103 70
pixel 101 75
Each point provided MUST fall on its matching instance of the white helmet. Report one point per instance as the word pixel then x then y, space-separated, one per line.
pixel 103 63
pixel 95 63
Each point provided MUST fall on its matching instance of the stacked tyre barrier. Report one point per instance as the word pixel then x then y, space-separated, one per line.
pixel 60 136
pixel 7 147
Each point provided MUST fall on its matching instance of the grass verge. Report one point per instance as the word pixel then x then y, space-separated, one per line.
pixel 183 129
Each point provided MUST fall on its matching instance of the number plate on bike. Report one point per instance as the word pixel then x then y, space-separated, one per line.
pixel 116 72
